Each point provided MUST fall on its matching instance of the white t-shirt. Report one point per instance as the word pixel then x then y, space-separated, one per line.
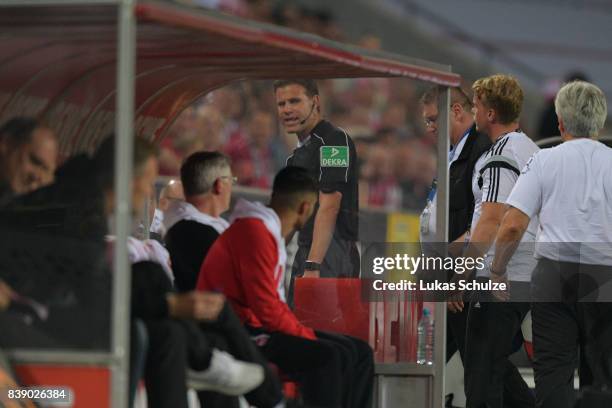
pixel 570 187
pixel 495 175
pixel 146 250
pixel 157 224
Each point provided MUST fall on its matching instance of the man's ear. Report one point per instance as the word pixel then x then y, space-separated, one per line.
pixel 491 115
pixel 317 102
pixel 561 126
pixel 302 207
pixel 305 208
pixel 216 187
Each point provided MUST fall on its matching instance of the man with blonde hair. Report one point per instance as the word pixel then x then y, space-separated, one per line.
pixel 569 188
pixel 492 326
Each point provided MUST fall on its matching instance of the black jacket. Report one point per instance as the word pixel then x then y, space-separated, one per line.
pixel 188 243
pixel 461 199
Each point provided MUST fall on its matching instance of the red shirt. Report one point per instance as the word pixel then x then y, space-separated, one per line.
pixel 242 264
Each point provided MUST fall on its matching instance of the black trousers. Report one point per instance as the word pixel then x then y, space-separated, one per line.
pixel 166 364
pixel 491 380
pixel 563 327
pixel 455 329
pixel 341 261
pixel 175 345
pixel 333 371
pixel 139 347
pixel 229 334
pixel 199 352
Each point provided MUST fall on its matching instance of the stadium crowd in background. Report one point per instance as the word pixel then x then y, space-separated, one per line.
pixel 396 156
pixel 396 153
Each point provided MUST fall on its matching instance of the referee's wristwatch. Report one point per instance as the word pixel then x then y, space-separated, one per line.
pixel 312 266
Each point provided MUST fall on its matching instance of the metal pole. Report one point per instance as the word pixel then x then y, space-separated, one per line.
pixel 124 145
pixel 442 236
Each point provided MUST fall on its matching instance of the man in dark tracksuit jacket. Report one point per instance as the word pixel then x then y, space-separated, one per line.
pixel 461 203
pixel 467 145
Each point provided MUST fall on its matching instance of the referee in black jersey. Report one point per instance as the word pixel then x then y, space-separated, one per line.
pixel 327 243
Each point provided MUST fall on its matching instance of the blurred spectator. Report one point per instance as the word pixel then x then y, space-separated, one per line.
pixel 28 157
pixel 256 159
pixel 197 128
pixel 230 102
pixel 415 167
pixel 180 140
pixel 382 186
pixel 173 191
pixel 360 117
pixel 389 137
pixel 393 117
pixel 549 124
pixel 212 127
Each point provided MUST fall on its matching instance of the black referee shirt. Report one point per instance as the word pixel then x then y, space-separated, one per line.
pixel 329 155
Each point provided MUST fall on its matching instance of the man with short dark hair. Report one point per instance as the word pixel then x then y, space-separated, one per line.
pixel 327 243
pixel 247 263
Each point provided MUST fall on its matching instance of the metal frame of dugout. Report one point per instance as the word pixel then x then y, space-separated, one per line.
pixel 149 61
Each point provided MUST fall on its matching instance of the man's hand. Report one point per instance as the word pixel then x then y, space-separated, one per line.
pixel 6 293
pixel 196 305
pixel 455 306
pixel 455 300
pixel 501 295
pixel 513 227
pixel 311 274
pixel 324 225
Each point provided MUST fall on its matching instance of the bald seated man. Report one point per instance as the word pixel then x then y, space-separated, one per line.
pixel 28 157
pixel 173 191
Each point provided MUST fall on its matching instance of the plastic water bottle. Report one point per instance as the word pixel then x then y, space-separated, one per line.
pixel 425 339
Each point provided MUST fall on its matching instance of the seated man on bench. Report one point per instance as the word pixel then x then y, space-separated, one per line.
pixel 247 263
